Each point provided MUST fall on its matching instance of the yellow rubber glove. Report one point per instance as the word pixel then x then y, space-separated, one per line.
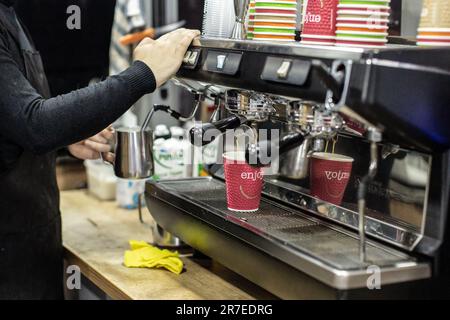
pixel 143 255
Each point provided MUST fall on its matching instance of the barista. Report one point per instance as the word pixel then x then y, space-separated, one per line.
pixel 34 125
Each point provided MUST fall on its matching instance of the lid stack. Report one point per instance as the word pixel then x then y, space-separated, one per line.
pixel 274 20
pixel 434 29
pixel 362 23
pixel 250 21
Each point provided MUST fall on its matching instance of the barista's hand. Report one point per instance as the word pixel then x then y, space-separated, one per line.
pixel 165 55
pixel 90 149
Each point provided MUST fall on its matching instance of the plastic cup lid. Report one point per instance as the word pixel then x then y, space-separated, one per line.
pixel 433 44
pixel 434 29
pixel 361 39
pixel 275 4
pixel 274 29
pixel 368 20
pixel 447 38
pixel 274 21
pixel 363 13
pixel 359 6
pixel 357 33
pixel 275 14
pixel 357 45
pixel 361 26
pixel 274 33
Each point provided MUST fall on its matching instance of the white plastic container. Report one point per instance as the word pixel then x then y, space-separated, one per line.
pixel 161 132
pixel 101 180
pixel 173 156
pixel 128 193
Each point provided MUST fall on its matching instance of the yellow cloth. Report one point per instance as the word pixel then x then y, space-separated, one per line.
pixel 143 255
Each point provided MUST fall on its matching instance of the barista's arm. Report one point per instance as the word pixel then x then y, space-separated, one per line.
pixel 42 125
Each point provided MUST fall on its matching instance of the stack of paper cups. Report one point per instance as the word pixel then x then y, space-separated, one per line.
pixel 434 29
pixel 319 22
pixel 272 20
pixel 250 20
pixel 219 18
pixel 362 23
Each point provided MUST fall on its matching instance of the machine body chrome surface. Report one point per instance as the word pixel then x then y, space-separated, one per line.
pixel 401 236
pixel 297 49
pixel 323 251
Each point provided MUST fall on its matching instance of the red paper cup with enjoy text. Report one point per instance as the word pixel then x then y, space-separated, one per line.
pixel 330 174
pixel 319 21
pixel 244 183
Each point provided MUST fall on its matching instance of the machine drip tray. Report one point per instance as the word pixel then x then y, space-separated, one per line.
pixel 321 250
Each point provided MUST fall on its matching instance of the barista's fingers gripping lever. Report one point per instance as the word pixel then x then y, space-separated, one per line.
pixel 165 55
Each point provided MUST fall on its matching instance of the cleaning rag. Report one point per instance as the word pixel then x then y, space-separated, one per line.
pixel 143 255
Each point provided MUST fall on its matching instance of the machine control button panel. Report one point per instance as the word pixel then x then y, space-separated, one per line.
pixel 187 56
pixel 285 70
pixel 221 61
pixel 191 58
pixel 227 63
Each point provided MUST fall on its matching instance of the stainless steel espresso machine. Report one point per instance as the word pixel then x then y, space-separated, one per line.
pixel 387 108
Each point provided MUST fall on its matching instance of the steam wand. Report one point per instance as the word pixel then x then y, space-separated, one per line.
pixel 173 113
pixel 374 136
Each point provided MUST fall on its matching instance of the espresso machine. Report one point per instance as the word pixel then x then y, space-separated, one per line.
pixel 387 108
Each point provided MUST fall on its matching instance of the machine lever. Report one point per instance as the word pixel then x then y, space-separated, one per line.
pixel 260 155
pixel 207 132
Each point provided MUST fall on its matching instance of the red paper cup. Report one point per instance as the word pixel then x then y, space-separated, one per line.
pixel 320 18
pixel 244 183
pixel 330 174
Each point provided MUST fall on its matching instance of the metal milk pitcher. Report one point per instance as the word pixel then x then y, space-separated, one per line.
pixel 134 154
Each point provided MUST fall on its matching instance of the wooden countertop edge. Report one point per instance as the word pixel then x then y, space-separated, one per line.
pixel 94 276
pixel 93 242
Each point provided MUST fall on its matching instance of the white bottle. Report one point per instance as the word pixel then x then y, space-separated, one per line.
pixel 171 156
pixel 128 193
pixel 161 132
pixel 160 154
pixel 180 149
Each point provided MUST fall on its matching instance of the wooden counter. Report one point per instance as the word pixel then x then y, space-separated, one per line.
pixel 96 236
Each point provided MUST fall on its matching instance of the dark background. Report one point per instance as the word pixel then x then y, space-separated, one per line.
pixel 73 57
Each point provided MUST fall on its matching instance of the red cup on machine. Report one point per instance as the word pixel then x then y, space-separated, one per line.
pixel 330 174
pixel 319 22
pixel 244 183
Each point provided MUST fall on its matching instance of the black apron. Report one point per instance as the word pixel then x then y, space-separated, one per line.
pixel 31 262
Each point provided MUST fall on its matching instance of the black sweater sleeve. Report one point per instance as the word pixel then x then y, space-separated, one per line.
pixel 42 125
